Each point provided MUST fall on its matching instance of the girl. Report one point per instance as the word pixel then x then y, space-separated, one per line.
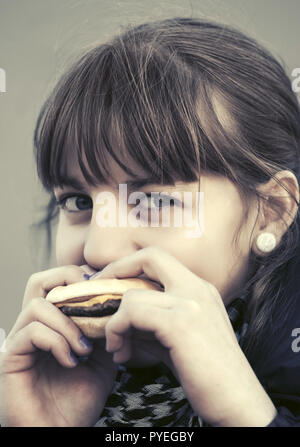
pixel 179 105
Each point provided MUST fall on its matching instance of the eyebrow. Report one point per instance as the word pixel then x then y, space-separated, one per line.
pixel 131 183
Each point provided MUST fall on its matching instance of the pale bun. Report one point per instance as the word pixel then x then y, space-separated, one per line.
pixel 74 292
pixel 94 327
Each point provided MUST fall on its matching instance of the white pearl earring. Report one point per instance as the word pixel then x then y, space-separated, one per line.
pixel 266 242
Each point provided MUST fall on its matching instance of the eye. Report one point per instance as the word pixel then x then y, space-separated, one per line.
pixel 74 203
pixel 156 200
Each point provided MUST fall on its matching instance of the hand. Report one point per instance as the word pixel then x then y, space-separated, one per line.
pixel 190 322
pixel 40 385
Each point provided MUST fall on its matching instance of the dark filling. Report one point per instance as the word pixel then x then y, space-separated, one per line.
pixel 109 307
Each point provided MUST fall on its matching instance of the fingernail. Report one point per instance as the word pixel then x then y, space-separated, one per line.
pixel 83 358
pixel 86 276
pixel 73 358
pixel 87 344
pixel 95 275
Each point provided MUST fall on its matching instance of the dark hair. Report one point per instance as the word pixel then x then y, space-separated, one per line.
pixel 148 94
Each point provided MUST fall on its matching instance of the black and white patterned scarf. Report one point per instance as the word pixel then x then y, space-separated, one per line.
pixel 152 397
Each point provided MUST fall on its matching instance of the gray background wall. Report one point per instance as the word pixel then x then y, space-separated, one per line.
pixel 38 39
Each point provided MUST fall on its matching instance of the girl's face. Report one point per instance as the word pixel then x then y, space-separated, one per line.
pixel 212 255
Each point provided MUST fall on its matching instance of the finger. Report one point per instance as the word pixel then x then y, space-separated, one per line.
pixel 88 270
pixel 131 301
pixel 144 317
pixel 141 346
pixel 160 299
pixel 37 336
pixel 49 315
pixel 133 341
pixel 124 353
pixel 156 263
pixel 39 284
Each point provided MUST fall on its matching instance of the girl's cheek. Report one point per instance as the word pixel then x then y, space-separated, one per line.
pixel 69 244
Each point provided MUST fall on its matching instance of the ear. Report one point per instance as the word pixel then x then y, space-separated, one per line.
pixel 280 208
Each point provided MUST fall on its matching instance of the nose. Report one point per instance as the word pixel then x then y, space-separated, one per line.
pixel 104 245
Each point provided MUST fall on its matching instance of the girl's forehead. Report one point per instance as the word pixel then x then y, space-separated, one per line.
pixel 74 177
pixel 117 174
